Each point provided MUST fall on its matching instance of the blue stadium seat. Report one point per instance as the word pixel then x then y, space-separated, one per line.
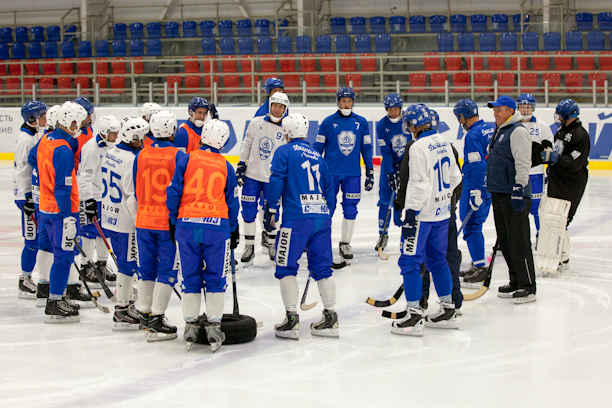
pixel 417 24
pixel 377 24
pixel 37 33
pixel 283 45
pixel 21 34
pixel 264 45
pixel 54 33
pixel 323 43
pixel 34 50
pixel 245 45
pixel 262 27
pixel 84 48
pixel 207 28
pixel 303 44
pixel 363 43
pixel 208 46
pixel 479 23
pixel 172 29
pixel 136 30
pixel 445 42
pixel 50 50
pixel 154 30
pixel 6 35
pixel 358 25
pixel 67 32
pixel 383 43
pixel 466 42
pixel 343 43
pixel 281 23
pixel 136 47
pixel 243 27
pixel 397 24
pixel 508 41
pixel 67 49
pixel 338 25
pixel 573 41
pixel 458 23
pixel 516 22
pixel 596 40
pixel 531 41
pixel 487 41
pixel 154 46
pixel 226 28
pixel 190 29
pixel 499 22
pixel 118 47
pixel 19 51
pixel 605 21
pixel 120 31
pixel 552 41
pixel 102 48
pixel 584 21
pixel 4 51
pixel 437 22
pixel 227 46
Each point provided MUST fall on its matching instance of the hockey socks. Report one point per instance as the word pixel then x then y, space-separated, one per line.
pixel 191 306
pixel 161 298
pixel 382 216
pixel 58 279
pixel 327 289
pixel 125 285
pixel 214 306
pixel 28 260
pixel 249 230
pixel 145 295
pixel 101 250
pixel 476 246
pixel 289 292
pixel 348 227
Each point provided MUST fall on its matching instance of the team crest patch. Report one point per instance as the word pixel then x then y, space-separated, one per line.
pixel 346 142
pixel 398 142
pixel 265 147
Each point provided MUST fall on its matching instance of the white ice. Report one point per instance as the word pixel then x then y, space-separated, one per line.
pixel 556 352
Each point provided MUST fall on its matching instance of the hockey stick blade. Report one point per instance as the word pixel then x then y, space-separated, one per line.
pixel 109 294
pixel 389 302
pixel 487 281
pixel 382 256
pixel 339 265
pixel 394 315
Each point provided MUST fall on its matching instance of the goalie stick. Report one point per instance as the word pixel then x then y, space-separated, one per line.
pixel 487 281
pixel 388 302
pixel 382 256
pixel 99 275
pixel 303 304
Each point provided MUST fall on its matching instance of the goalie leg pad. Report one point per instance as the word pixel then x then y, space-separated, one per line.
pixel 553 220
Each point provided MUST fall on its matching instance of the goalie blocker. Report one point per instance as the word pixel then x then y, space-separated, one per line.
pixel 553 235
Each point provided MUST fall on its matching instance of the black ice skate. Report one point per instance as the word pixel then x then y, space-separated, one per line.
pixel 410 325
pixel 192 331
pixel 327 326
pixel 144 320
pixel 523 296
pixel 58 311
pixel 42 294
pixel 506 291
pixel 90 277
pixel 382 242
pixel 272 248
pixel 215 336
pixel 289 328
pixel 27 288
pixel 126 318
pixel 70 302
pixel 79 296
pixel 265 242
pixel 159 329
pixel 109 276
pixel 469 271
pixel 445 318
pixel 346 252
pixel 475 279
pixel 247 255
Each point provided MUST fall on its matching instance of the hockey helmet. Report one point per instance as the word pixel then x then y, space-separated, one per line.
pixel 295 126
pixel 147 109
pixel 163 124
pixel 133 128
pixel 215 134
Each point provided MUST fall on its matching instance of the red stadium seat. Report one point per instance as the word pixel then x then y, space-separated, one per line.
pixel 348 63
pixel 288 63
pixel 207 83
pixel 417 82
pixel 599 77
pixel 554 81
pixel 102 66
pixel 192 84
pixel 327 64
pixel 118 84
pixel 191 64
pixel 497 61
pixel 268 63
pixel 12 84
pixel 586 63
pixel 208 62
pixel 330 83
pixel 46 85
pixel 246 81
pixel 170 79
pixel 84 66
pixel 478 61
pixel 563 63
pixel 32 67
pixel 483 82
pixel 356 78
pixel 27 84
pixel 574 81
pixel 118 65
pixel 605 63
pixel 84 81
pixel 15 69
pixel 138 65
pixel 49 67
pixel 461 82
pixel 529 82
pixel 514 61
pixel 308 63
pixel 292 83
pixel 2 70
pixel 231 83
pixel 540 60
pixel 437 81
pixel 102 83
pixel 432 63
pixel 229 63
pixel 64 84
pixel 245 63
pixel 312 82
pixel 452 63
pixel 66 67
pixel 505 81
pixel 368 64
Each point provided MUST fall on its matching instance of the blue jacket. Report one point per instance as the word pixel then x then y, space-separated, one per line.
pixel 501 169
pixel 474 168
pixel 392 142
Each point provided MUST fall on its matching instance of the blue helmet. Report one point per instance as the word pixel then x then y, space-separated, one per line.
pixel 465 107
pixel 393 100
pixel 526 99
pixel 435 119
pixel 272 83
pixel 345 92
pixel 415 115
pixel 32 110
pixel 197 102
pixel 84 102
pixel 566 109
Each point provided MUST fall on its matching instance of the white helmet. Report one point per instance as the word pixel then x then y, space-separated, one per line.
pixel 146 110
pixel 163 124
pixel 70 113
pixel 108 124
pixel 295 126
pixel 278 97
pixel 133 129
pixel 52 116
pixel 215 133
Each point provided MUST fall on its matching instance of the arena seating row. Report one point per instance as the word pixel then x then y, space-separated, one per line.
pixel 36 34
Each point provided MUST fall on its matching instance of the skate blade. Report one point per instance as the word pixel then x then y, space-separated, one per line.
pixel 504 295
pixel 247 264
pixel 110 283
pixel 41 302
pixel 325 333
pixel 94 285
pixel 62 319
pixel 125 327
pixel 287 334
pixel 85 305
pixel 189 346
pixel 526 299
pixel 151 337
pixel 27 295
pixel 444 324
pixel 471 285
pixel 414 331
pixel 215 345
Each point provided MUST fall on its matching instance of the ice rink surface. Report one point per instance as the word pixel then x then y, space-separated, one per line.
pixel 556 352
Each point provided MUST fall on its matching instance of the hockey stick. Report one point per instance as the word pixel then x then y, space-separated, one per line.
pixel 99 275
pixel 93 298
pixel 465 220
pixel 382 256
pixel 339 265
pixel 388 302
pixel 303 304
pixel 487 281
pixel 236 310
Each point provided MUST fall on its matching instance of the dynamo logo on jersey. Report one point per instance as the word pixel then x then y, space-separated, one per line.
pixel 398 142
pixel 265 147
pixel 346 142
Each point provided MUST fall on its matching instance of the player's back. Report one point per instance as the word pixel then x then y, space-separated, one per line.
pixel 117 168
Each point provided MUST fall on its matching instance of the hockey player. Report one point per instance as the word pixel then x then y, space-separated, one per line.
pixel 34 119
pixel 119 209
pixel 59 206
pixel 474 195
pixel 187 138
pixel 539 131
pixel 344 137
pixel 145 112
pixel 86 133
pixel 203 207
pixel 300 177
pixel 568 164
pixel 262 138
pixel 157 270
pixel 433 175
pixel 271 86
pixel 392 142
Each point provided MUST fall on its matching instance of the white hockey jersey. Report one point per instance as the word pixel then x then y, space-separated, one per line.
pixel 539 131
pixel 89 177
pixel 434 174
pixel 22 174
pixel 261 140
pixel 119 206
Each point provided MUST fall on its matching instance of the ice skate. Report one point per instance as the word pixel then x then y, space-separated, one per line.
pixel 463 274
pixel 58 311
pixel 265 243
pixel 382 242
pixel 410 325
pixel 71 303
pixel 272 252
pixel 27 288
pixel 327 326
pixel 159 329
pixel 346 252
pixel 523 296
pixel 215 336
pixel 79 296
pixel 144 320
pixel 90 277
pixel 424 303
pixel 192 331
pixel 289 328
pixel 444 318
pixel 109 276
pixel 42 294
pixel 126 318
pixel 506 291
pixel 248 255
pixel 475 279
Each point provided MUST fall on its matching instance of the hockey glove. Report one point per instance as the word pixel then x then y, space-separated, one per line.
pixel 172 230
pixel 213 111
pixel 28 208
pixel 391 177
pixel 397 218
pixel 369 183
pixel 91 209
pixel 269 218
pixel 549 156
pixel 240 173
pixel 235 238
pixel 518 201
pixel 409 229
pixel 475 199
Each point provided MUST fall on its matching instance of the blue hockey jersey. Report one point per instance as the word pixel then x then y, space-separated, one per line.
pixel 392 141
pixel 474 168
